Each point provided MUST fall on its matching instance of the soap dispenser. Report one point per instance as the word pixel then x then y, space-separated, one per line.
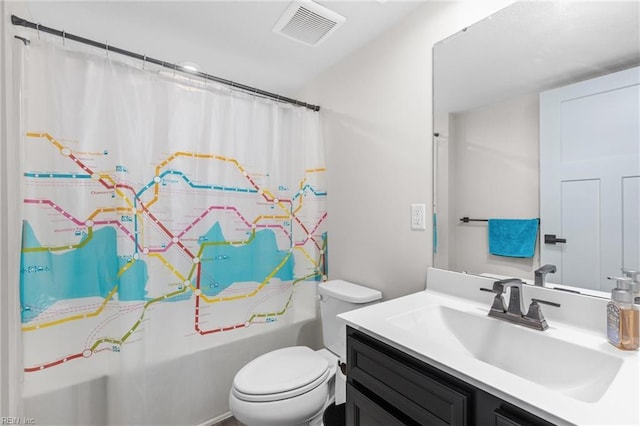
pixel 635 283
pixel 623 318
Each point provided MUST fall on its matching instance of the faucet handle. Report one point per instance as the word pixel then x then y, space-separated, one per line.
pixel 535 313
pixel 545 302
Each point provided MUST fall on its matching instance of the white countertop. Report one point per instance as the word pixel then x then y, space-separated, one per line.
pixel 619 404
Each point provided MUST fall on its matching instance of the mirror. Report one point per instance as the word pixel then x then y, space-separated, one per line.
pixel 487 81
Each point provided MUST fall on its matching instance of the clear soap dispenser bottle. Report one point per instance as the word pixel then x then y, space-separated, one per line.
pixel 623 318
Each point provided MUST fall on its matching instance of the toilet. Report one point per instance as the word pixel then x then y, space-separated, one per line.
pixel 294 385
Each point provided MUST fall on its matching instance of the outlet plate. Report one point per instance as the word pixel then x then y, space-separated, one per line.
pixel 418 216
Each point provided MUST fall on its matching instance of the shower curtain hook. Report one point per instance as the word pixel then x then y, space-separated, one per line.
pixel 144 61
pixel 106 47
pixel 38 29
pixel 64 34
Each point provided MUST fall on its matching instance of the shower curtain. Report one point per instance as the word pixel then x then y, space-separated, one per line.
pixel 163 215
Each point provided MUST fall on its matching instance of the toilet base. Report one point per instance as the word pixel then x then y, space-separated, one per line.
pixel 334 415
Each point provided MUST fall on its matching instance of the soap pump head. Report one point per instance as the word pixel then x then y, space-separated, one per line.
pixel 634 287
pixel 631 273
pixel 622 292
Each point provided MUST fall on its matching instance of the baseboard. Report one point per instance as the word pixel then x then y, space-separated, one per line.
pixel 217 419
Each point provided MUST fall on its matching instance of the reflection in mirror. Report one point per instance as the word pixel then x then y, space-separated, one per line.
pixel 559 74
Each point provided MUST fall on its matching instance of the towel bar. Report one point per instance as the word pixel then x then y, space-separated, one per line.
pixel 467 220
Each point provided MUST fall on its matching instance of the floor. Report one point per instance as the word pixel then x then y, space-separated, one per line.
pixel 231 421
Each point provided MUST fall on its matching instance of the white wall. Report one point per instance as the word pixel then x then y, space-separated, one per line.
pixel 493 152
pixel 376 106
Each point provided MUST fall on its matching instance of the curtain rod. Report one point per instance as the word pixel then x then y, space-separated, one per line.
pixel 15 20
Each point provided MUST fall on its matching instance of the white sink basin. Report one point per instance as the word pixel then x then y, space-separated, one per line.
pixel 576 371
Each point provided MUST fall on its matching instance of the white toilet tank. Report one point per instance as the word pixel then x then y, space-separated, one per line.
pixel 336 297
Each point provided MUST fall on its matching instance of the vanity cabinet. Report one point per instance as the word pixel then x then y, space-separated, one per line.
pixel 386 386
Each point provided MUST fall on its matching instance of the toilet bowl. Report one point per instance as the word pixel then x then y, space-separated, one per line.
pixel 294 385
pixel 289 386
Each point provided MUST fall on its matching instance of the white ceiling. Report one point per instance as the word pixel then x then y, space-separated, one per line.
pixel 228 39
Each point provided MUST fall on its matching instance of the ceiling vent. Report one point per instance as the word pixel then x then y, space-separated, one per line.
pixel 308 22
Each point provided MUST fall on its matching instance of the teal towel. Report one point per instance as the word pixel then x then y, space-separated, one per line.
pixel 435 234
pixel 513 237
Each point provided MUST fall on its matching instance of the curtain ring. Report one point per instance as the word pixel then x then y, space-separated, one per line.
pixel 174 69
pixel 64 35
pixel 38 29
pixel 106 47
pixel 144 61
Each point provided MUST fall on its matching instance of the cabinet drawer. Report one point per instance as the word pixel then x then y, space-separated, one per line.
pixel 362 411
pixel 411 388
pixel 503 419
pixel 509 417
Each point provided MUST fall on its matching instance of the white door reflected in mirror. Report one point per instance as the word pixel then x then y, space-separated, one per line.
pixel 589 167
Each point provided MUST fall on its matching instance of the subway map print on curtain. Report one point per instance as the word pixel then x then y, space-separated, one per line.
pixel 161 215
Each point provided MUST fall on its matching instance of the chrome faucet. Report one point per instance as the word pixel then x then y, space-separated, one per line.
pixel 541 273
pixel 513 311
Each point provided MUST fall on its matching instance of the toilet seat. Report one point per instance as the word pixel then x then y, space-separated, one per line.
pixel 281 374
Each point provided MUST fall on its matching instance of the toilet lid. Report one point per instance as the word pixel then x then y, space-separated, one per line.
pixel 283 371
